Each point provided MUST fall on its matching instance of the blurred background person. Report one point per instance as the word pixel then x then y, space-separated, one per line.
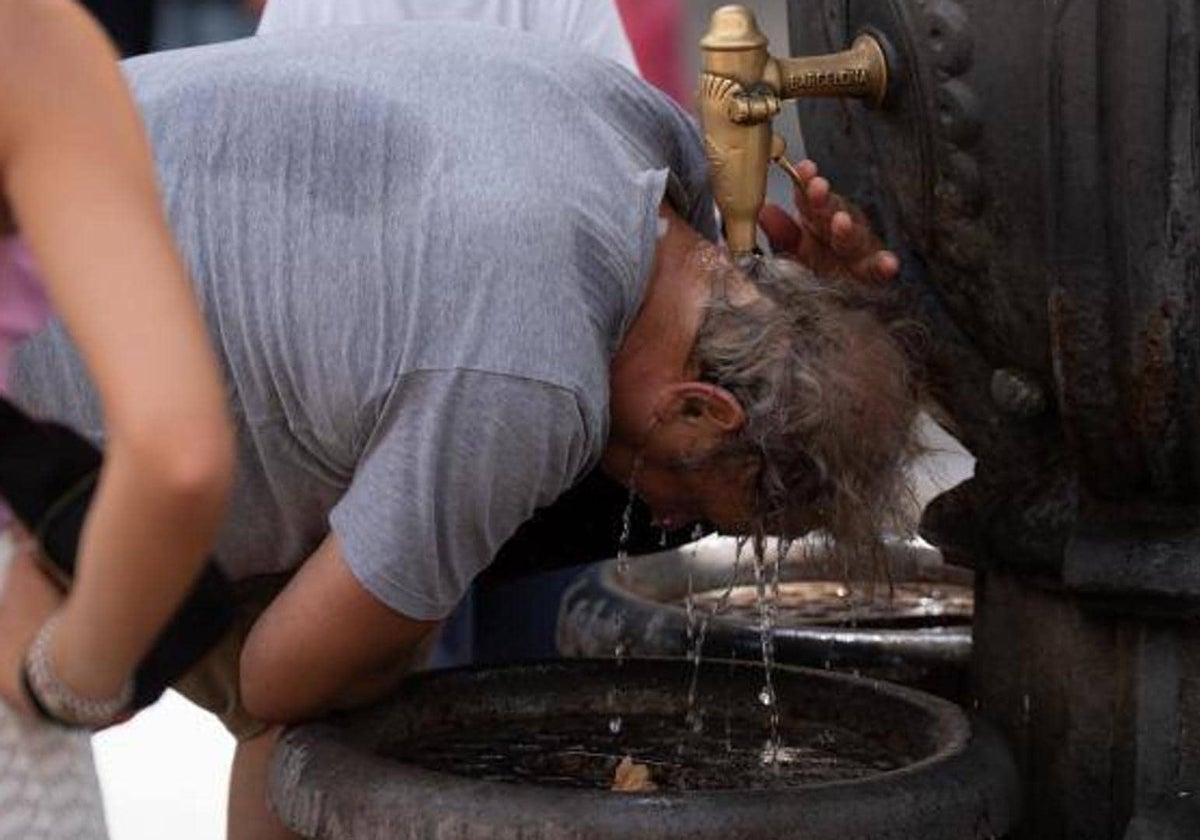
pixel 139 26
pixel 187 23
pixel 130 23
pixel 657 30
pixel 592 25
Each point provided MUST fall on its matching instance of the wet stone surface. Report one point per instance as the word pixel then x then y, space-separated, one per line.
pixel 579 751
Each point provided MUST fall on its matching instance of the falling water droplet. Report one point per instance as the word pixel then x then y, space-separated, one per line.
pixel 770 754
pixel 627 518
pixel 614 723
pixel 767 595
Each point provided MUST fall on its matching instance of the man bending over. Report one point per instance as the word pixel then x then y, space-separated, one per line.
pixel 449 270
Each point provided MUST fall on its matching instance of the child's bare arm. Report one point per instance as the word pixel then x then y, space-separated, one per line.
pixel 79 184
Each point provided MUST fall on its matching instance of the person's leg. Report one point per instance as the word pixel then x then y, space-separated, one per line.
pixel 213 684
pixel 250 817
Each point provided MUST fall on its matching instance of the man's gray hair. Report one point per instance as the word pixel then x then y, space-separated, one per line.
pixel 825 377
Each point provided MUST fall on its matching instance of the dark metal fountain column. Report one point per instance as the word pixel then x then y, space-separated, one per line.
pixel 1040 163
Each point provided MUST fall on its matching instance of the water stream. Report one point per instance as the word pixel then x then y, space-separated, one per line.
pixel 767 589
pixel 696 634
pixel 619 646
pixel 767 581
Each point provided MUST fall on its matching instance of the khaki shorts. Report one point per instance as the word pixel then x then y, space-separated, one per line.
pixel 214 683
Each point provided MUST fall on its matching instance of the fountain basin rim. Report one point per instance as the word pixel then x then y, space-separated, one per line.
pixel 949 644
pixel 306 765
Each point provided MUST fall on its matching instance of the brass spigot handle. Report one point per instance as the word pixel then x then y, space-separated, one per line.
pixel 779 158
pixel 741 87
pixel 860 72
pixel 753 108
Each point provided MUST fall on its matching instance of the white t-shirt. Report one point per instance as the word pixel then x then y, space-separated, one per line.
pixel 593 25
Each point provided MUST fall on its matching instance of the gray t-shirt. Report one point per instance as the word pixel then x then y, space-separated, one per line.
pixel 417 249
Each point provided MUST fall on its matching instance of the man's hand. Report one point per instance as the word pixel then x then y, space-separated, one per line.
pixel 829 235
pixel 27 598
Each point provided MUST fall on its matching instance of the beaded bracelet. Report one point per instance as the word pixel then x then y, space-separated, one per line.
pixel 55 700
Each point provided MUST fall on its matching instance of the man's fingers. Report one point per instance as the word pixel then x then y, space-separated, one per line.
pixel 807 170
pixel 841 226
pixel 848 239
pixel 886 266
pixel 832 225
pixel 879 267
pixel 816 196
pixel 781 229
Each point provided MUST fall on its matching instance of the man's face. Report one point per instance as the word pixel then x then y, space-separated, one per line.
pixel 682 494
pixel 671 468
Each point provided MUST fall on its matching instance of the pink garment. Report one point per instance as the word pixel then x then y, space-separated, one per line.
pixel 24 308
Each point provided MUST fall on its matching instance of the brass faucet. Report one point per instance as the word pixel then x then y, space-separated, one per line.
pixel 740 91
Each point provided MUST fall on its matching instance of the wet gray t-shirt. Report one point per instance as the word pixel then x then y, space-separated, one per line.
pixel 417 250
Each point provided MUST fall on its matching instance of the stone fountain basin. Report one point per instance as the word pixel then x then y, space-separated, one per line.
pixel 924 648
pixel 933 773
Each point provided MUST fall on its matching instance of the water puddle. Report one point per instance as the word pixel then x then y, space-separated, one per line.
pixel 837 603
pixel 569 751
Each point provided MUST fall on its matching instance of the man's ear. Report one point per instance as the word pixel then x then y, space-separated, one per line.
pixel 703 404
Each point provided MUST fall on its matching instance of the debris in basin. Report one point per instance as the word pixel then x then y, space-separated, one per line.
pixel 632 777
